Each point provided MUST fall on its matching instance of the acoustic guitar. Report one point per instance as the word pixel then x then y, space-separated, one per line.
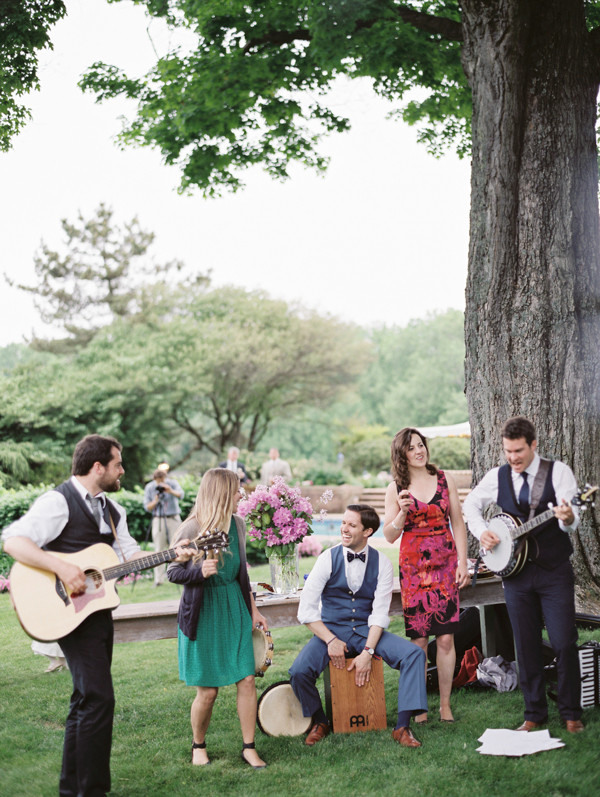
pixel 510 554
pixel 48 611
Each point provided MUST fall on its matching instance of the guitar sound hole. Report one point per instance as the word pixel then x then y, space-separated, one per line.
pixel 93 580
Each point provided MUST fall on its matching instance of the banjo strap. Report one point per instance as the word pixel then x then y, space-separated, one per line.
pixel 538 485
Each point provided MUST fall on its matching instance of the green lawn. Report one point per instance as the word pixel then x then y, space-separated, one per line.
pixel 152 735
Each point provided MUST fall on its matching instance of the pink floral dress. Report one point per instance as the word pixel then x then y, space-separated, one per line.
pixel 428 562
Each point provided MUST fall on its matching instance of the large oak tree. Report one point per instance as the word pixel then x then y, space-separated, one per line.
pixel 518 78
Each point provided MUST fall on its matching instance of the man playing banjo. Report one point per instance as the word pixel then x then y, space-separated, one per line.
pixel 543 589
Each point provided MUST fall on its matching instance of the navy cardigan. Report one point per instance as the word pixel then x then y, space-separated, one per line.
pixel 190 575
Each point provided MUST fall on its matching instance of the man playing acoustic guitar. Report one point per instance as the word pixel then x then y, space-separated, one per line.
pixel 543 590
pixel 71 518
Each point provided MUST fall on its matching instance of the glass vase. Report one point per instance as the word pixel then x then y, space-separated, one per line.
pixel 284 568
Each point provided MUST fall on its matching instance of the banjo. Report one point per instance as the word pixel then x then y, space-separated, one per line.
pixel 510 554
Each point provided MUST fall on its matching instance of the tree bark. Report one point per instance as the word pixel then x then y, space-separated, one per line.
pixel 532 327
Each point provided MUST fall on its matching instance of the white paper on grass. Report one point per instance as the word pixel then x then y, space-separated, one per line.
pixel 500 741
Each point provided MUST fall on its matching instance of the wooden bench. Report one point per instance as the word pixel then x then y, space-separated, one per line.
pixel 135 622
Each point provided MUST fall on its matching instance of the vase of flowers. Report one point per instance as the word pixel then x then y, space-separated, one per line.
pixel 278 518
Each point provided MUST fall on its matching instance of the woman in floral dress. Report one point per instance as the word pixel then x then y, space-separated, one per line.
pixel 423 509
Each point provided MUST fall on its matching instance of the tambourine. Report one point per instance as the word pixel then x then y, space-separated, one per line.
pixel 263 647
pixel 280 712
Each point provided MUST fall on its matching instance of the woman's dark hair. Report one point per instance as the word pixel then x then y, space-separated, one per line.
pixel 368 516
pixel 93 448
pixel 400 446
pixel 518 427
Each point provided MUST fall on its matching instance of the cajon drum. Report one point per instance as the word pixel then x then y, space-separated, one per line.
pixel 352 708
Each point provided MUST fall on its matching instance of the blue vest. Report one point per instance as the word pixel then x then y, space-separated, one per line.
pixel 341 606
pixel 81 529
pixel 549 545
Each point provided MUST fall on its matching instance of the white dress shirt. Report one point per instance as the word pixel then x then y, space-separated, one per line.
pixel 309 609
pixel 486 493
pixel 48 516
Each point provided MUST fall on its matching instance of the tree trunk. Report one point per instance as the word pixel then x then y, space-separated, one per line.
pixel 532 328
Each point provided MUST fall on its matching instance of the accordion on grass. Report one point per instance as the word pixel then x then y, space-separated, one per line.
pixel 589 667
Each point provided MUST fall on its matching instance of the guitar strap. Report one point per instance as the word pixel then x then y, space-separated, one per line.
pixel 114 531
pixel 537 487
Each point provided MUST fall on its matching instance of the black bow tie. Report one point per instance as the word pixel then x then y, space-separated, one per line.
pixel 361 556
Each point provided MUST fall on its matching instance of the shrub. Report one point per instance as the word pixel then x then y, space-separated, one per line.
pixel 310 546
pixel 451 453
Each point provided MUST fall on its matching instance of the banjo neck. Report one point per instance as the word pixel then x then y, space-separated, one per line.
pixel 533 523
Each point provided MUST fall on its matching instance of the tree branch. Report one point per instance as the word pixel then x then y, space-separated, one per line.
pixel 428 23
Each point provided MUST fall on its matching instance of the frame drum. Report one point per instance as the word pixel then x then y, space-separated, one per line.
pixel 263 646
pixel 280 712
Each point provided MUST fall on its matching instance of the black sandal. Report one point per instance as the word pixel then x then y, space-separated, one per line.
pixel 251 746
pixel 201 746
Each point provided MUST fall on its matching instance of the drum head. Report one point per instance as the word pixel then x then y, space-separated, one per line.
pixel 280 712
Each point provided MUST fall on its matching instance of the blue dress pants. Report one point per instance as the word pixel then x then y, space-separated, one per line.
pixel 396 652
pixel 88 732
pixel 533 596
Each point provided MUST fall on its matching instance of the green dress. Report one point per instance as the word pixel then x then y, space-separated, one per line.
pixel 222 652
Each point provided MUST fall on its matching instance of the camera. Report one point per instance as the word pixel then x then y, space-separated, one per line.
pixel 160 488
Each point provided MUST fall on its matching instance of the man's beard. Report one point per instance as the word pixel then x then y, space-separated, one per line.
pixel 110 485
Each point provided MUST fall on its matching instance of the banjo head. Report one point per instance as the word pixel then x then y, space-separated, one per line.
pixel 501 559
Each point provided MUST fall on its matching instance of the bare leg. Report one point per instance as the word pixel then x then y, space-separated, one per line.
pixel 446 660
pixel 246 708
pixel 200 716
pixel 421 642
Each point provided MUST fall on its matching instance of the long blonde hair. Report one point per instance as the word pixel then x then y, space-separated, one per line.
pixel 214 505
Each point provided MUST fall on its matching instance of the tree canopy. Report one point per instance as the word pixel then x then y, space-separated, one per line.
pixel 105 273
pixel 24 30
pixel 253 90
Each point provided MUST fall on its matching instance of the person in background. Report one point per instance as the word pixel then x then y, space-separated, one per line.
pixel 345 603
pixel 161 498
pixel 423 509
pixel 275 466
pixel 543 592
pixel 52 651
pixel 233 464
pixel 216 616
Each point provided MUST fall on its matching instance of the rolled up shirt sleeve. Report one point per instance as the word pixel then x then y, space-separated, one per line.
pixel 478 500
pixel 380 610
pixel 43 521
pixel 309 608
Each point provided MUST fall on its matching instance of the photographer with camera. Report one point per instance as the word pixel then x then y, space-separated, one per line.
pixel 161 499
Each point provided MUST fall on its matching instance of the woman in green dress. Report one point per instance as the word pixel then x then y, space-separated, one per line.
pixel 217 613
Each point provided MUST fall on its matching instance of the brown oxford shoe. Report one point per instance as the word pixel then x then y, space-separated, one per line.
pixel 405 737
pixel 528 725
pixel 574 726
pixel 318 731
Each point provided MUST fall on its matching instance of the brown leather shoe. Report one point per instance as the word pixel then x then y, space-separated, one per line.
pixel 405 737
pixel 528 725
pixel 575 726
pixel 318 731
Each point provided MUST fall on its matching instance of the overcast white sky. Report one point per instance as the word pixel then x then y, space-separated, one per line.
pixel 381 238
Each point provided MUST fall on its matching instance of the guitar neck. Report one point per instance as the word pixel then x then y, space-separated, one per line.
pixel 143 563
pixel 214 539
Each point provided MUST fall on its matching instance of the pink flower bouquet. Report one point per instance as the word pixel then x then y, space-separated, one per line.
pixel 278 515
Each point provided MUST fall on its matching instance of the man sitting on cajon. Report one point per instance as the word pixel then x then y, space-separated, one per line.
pixel 345 603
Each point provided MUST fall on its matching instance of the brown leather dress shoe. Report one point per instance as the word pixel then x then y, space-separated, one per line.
pixel 404 737
pixel 318 731
pixel 574 726
pixel 529 725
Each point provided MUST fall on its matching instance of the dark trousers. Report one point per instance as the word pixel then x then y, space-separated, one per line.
pixel 396 652
pixel 88 732
pixel 532 596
